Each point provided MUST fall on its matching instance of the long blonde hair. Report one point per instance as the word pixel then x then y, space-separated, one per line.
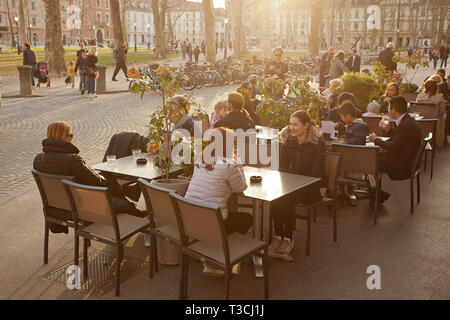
pixel 58 130
pixel 93 51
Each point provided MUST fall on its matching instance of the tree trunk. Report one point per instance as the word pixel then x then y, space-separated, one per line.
pixel 331 23
pixel 11 25
pixel 91 18
pixel 236 9
pixel 314 37
pixel 116 21
pixel 54 51
pixel 22 23
pixel 266 37
pixel 124 23
pixel 412 22
pixel 82 14
pixel 396 26
pixel 159 39
pixel 210 32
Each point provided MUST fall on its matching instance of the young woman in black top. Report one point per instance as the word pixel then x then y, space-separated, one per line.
pixel 302 151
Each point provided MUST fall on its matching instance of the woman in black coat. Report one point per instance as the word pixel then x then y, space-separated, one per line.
pixel 302 152
pixel 60 157
pixel 238 117
pixel 91 71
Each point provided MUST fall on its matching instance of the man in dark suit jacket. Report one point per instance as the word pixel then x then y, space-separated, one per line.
pixel 404 143
pixel 385 58
pixel 353 63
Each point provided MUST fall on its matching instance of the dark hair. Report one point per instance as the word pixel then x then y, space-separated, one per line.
pixel 346 109
pixel 236 100
pixel 399 103
pixel 340 55
pixel 244 85
pixel 82 50
pixel 181 102
pixel 27 45
pixel 448 77
pixel 441 71
pixel 346 96
pixel 303 117
pixel 430 87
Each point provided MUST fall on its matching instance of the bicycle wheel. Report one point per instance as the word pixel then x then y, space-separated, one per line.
pixel 188 82
pixel 236 76
pixel 210 79
pixel 198 79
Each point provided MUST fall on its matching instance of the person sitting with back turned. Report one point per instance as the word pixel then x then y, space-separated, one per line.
pixel 403 144
pixel 355 130
pixel 60 157
pixel 238 117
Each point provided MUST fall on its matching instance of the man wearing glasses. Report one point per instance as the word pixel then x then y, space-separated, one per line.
pixel 276 66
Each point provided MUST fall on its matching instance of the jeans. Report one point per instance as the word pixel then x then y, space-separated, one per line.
pixel 120 64
pixel 32 75
pixel 444 61
pixel 82 81
pixel 435 61
pixel 91 85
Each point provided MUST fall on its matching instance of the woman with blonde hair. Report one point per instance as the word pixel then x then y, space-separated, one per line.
pixel 431 95
pixel 61 157
pixel 392 90
pixel 91 71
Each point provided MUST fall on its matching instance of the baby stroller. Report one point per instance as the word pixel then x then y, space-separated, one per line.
pixel 41 73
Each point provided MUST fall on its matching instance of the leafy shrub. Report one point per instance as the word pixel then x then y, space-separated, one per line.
pixel 364 87
pixel 408 87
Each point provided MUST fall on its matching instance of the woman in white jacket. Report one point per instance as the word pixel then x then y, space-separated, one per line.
pixel 215 178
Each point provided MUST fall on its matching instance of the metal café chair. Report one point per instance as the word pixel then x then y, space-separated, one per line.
pixel 373 124
pixel 94 204
pixel 205 224
pixel 54 201
pixel 362 160
pixel 160 207
pixel 426 110
pixel 427 127
pixel 331 167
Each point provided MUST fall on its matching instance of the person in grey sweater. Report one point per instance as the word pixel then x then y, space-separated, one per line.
pixel 337 67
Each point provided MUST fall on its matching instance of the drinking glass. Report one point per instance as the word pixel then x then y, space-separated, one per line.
pixel 136 152
pixel 110 159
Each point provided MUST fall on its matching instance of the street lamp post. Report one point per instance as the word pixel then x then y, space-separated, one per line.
pixel 148 36
pixel 135 38
pixel 93 29
pixel 29 32
pixel 16 19
pixel 225 40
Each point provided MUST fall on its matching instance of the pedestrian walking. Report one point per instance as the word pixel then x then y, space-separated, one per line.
pixel 120 55
pixel 444 52
pixel 29 59
pixel 184 50
pixel 203 47
pixel 189 52
pixel 337 67
pixel 435 56
pixel 197 52
pixel 80 65
pixel 354 62
pixel 385 57
pixel 79 50
pixel 325 64
pixel 91 71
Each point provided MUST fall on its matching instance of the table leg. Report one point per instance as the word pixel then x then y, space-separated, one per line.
pixel 258 227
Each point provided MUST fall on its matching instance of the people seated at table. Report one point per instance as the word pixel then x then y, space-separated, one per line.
pixel 373 110
pixel 255 91
pixel 403 144
pixel 220 111
pixel 356 130
pixel 332 97
pixel 438 77
pixel 444 88
pixel 238 117
pixel 216 177
pixel 302 151
pixel 276 66
pixel 333 114
pixel 181 117
pixel 246 90
pixel 61 157
pixel 392 90
pixel 431 95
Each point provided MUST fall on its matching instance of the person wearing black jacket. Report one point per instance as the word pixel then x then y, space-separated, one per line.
pixel 333 114
pixel 61 157
pixel 80 65
pixel 29 59
pixel 79 50
pixel 238 117
pixel 246 90
pixel 120 55
pixel 353 62
pixel 91 71
pixel 325 64
pixel 302 151
pixel 403 145
pixel 385 58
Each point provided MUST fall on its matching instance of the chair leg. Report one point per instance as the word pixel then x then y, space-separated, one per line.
pixel 411 194
pixel 85 259
pixel 332 211
pixel 227 282
pixel 308 232
pixel 425 162
pixel 76 249
pixel 155 249
pixel 266 273
pixel 314 215
pixel 46 235
pixel 183 277
pixel 431 174
pixel 118 260
pixel 418 188
pixel 152 259
pixel 186 276
pixel 377 196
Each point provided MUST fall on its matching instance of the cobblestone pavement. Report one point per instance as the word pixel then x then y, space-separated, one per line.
pixel 23 124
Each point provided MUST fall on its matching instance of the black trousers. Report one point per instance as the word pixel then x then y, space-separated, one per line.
pixel 238 222
pixel 120 65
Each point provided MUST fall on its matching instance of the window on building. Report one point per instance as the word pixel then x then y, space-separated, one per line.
pixel 98 17
pixel 1 18
pixel 107 3
pixel 33 22
pixel 98 3
pixel 33 6
pixel 35 37
pixel 107 18
pixel 107 32
pixel 13 3
pixel 356 14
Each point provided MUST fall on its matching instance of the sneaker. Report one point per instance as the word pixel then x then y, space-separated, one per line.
pixel 208 271
pixel 274 246
pixel 286 246
pixel 114 79
pixel 94 95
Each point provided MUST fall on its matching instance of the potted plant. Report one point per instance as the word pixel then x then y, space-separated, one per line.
pixel 161 124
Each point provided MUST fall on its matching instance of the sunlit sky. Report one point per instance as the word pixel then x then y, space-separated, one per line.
pixel 217 3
